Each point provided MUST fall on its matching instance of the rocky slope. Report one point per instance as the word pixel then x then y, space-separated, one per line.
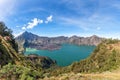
pixel 93 40
pixel 51 43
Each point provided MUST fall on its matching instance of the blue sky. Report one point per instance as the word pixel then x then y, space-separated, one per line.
pixel 63 17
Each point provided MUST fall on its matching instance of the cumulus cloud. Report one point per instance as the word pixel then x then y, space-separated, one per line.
pixel 34 22
pixel 49 19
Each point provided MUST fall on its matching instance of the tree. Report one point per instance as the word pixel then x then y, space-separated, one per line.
pixel 5 31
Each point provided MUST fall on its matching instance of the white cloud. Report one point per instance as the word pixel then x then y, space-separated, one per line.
pixel 24 28
pixel 49 19
pixel 34 22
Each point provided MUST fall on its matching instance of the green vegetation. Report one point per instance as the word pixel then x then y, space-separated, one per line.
pixel 110 41
pixel 16 72
pixel 4 31
pixel 5 58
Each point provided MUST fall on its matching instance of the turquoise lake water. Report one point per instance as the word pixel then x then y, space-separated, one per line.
pixel 68 53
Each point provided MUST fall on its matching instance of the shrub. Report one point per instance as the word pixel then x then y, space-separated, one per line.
pixel 19 72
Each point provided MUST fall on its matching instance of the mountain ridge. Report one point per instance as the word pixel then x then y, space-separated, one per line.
pixel 28 39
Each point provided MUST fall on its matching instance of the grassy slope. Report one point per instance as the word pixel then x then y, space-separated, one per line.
pixel 8 52
pixel 105 57
pixel 79 76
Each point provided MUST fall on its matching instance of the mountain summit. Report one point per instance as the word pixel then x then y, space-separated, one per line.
pixel 27 35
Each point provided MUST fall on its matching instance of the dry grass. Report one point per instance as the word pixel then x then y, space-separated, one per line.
pixel 92 76
pixel 103 76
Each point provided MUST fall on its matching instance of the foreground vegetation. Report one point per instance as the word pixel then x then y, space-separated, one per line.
pixel 17 72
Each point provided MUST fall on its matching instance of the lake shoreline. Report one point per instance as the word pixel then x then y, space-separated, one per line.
pixel 75 53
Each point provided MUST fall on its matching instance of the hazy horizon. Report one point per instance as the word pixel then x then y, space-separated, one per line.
pixel 65 35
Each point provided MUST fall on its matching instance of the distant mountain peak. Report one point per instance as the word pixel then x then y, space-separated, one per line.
pixel 27 35
pixel 94 36
pixel 26 32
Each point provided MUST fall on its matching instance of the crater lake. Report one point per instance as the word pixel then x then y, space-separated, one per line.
pixel 66 55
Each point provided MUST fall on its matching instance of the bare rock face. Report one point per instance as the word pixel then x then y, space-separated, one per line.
pixel 93 40
pixel 52 43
